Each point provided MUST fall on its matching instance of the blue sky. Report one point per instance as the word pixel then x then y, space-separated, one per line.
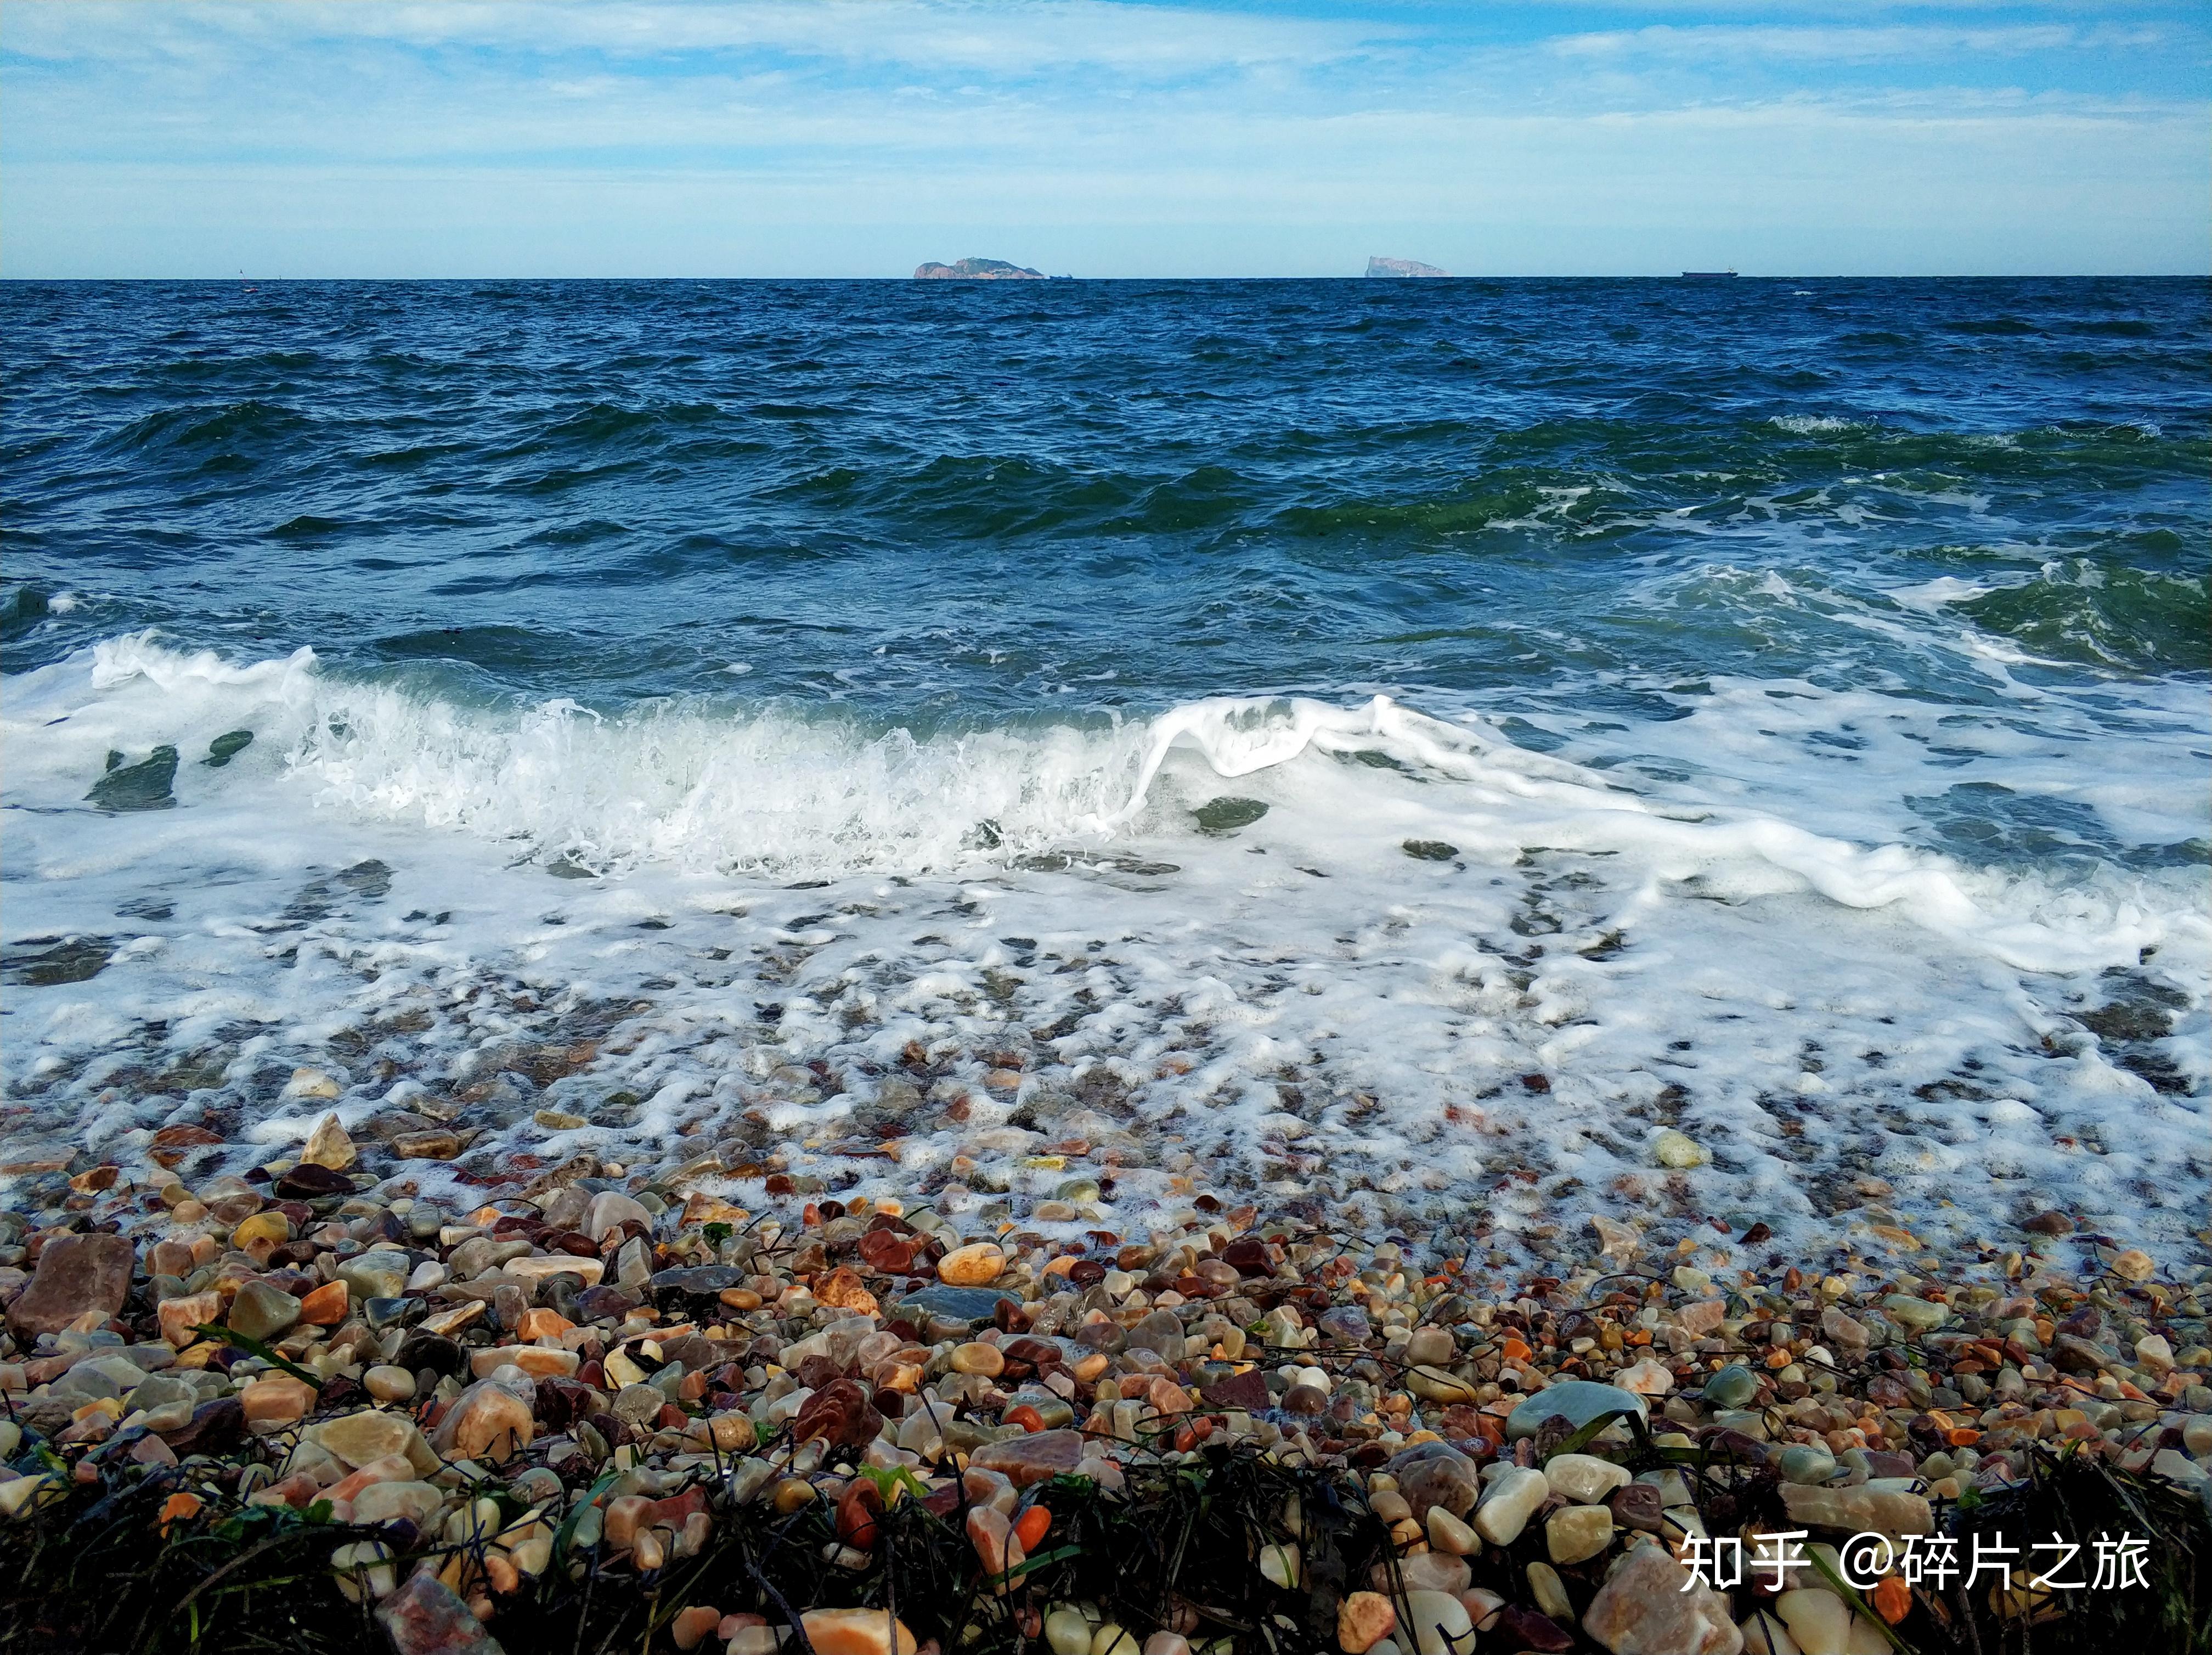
pixel 858 137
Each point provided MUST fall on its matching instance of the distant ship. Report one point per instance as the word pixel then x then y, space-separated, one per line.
pixel 1707 275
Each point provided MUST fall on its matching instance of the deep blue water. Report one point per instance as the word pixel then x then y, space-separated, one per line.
pixel 965 503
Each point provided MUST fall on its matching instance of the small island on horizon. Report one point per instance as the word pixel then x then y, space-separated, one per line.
pixel 1378 266
pixel 977 270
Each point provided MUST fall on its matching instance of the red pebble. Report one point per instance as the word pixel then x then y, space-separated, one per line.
pixel 857 1514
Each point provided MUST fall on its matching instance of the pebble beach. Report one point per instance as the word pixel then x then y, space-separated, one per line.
pixel 463 1412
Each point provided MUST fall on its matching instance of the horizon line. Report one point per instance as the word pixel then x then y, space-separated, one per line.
pixel 1417 281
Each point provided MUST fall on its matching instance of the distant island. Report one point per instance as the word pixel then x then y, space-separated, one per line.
pixel 977 270
pixel 1402 267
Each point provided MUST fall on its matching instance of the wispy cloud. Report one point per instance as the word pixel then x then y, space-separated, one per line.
pixel 1828 44
pixel 997 40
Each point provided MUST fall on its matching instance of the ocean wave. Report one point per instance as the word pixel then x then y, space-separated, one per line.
pixel 2103 614
pixel 781 791
pixel 200 426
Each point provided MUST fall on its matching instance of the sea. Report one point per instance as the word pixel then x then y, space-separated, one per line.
pixel 1441 759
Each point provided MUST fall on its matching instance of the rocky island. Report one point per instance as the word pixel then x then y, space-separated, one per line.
pixel 977 270
pixel 1380 266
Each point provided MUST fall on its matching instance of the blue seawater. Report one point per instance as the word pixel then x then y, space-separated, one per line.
pixel 1773 710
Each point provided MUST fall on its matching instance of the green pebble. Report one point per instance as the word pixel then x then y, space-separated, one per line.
pixel 1806 1463
pixel 1734 1386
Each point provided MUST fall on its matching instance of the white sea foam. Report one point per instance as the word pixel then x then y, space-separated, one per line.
pixel 1442 972
pixel 1929 596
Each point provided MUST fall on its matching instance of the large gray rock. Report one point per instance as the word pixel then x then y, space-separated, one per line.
pixel 261 1311
pixel 610 1208
pixel 1838 1329
pixel 1161 1334
pixel 1429 1347
pixel 969 1305
pixel 699 1279
pixel 192 1386
pixel 75 1273
pixel 1577 1401
pixel 639 1405
pixel 567 1208
pixel 1036 1458
pixel 480 1253
pixel 1437 1474
pixel 98 1377
pixel 378 1273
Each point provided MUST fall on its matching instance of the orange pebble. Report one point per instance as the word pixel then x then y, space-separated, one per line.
pixel 1032 1527
pixel 325 1307
pixel 1026 1417
pixel 856 1632
pixel 178 1508
pixel 1514 1351
pixel 542 1324
pixel 1963 1436
pixel 694 1626
pixel 1892 1599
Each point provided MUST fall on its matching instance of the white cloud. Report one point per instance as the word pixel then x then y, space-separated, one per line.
pixel 1001 39
pixel 1918 43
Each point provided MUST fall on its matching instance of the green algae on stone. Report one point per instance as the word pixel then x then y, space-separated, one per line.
pixel 144 786
pixel 226 747
pixel 1225 815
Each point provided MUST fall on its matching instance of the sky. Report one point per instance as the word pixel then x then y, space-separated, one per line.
pixel 860 137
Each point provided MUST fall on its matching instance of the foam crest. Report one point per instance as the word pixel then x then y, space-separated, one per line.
pixel 772 792
pixel 781 792
pixel 1240 735
pixel 1510 799
pixel 693 785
